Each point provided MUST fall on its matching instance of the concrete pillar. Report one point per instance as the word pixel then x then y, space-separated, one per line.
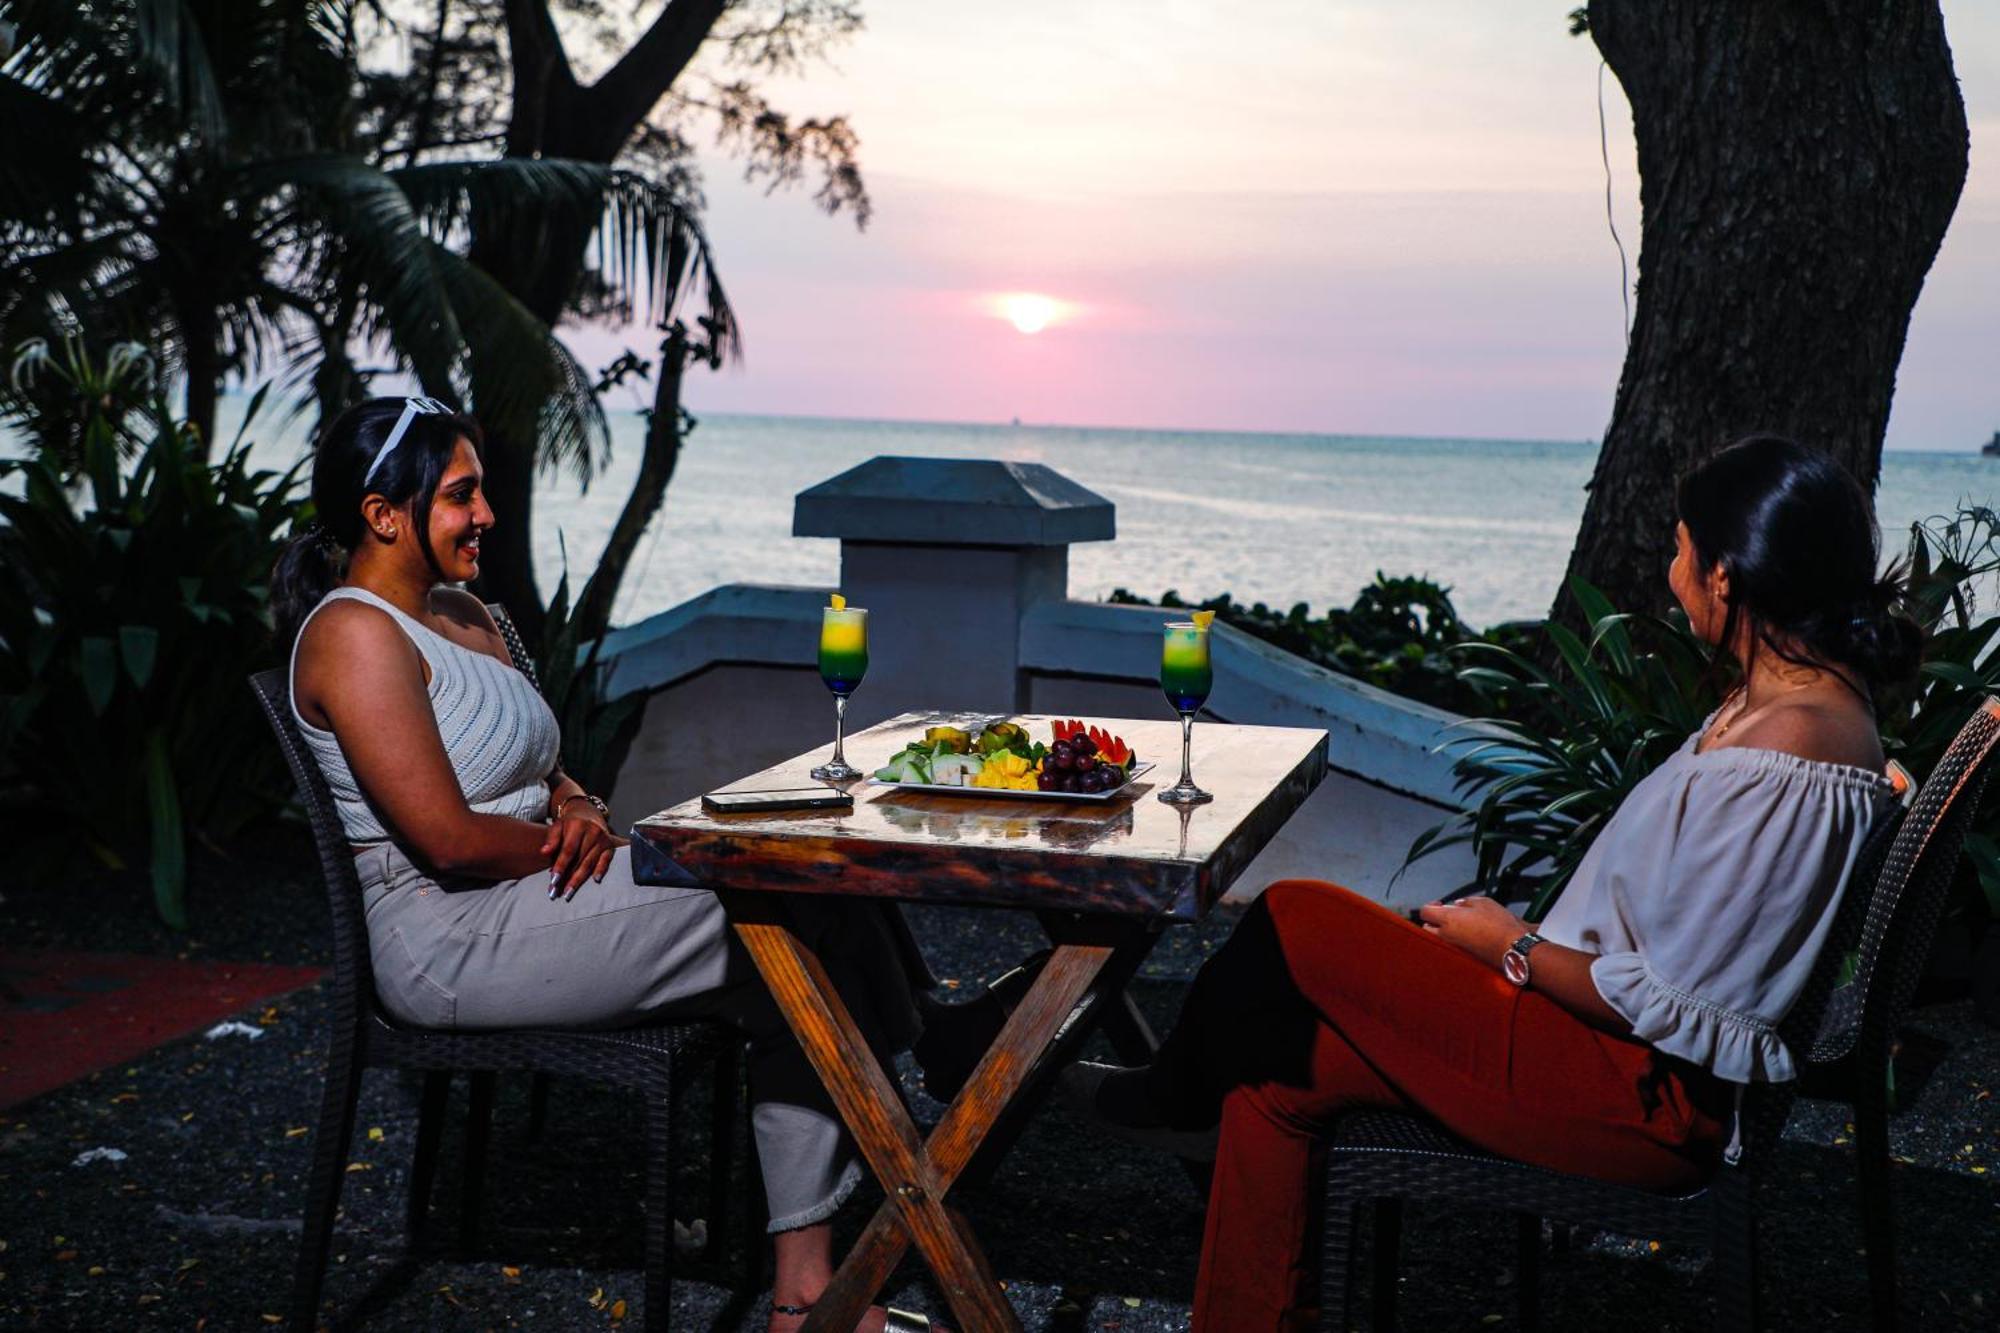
pixel 948 555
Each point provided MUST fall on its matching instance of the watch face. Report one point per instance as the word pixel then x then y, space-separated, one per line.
pixel 1514 965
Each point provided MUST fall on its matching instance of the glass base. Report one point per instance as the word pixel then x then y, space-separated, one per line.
pixel 1185 793
pixel 837 772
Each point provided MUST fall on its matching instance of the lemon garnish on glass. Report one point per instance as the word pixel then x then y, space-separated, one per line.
pixel 839 602
pixel 1202 620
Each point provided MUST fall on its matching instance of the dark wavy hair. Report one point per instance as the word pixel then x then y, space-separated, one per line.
pixel 313 563
pixel 1797 536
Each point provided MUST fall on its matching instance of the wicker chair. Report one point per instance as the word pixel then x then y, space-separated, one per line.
pixel 645 1058
pixel 1381 1158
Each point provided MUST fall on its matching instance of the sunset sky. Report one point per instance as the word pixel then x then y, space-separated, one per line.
pixel 1298 215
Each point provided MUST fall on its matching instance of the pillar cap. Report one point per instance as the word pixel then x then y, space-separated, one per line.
pixel 953 502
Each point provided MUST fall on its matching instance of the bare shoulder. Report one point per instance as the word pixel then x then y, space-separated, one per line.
pixel 1825 730
pixel 349 629
pixel 471 623
pixel 352 647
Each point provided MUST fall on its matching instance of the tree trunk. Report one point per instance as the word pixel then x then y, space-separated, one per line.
pixel 649 491
pixel 202 363
pixel 555 116
pixel 1799 161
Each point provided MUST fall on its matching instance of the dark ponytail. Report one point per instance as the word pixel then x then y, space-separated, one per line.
pixel 1797 536
pixel 314 561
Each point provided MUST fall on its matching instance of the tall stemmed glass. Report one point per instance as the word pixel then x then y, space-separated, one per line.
pixel 843 661
pixel 1186 679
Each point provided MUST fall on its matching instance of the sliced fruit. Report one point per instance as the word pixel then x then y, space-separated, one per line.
pixel 958 742
pixel 1111 749
pixel 1203 619
pixel 838 603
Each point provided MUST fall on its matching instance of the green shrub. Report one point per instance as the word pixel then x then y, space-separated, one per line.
pixel 1551 767
pixel 573 680
pixel 1398 635
pixel 132 607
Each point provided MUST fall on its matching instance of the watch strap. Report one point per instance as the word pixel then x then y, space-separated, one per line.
pixel 1514 964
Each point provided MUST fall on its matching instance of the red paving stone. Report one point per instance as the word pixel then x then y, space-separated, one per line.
pixel 65 1015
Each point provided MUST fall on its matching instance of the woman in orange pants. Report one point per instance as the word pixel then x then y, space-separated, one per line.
pixel 1611 1040
pixel 1324 1001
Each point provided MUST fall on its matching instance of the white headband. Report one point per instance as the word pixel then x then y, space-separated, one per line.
pixel 412 409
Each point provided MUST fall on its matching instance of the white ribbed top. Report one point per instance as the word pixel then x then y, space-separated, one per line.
pixel 498 732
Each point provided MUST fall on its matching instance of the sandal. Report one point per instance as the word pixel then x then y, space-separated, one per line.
pixel 893 1320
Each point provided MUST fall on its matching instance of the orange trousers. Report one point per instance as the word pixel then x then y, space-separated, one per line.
pixel 1324 1002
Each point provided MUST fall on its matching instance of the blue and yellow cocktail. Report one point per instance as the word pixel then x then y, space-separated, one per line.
pixel 1186 678
pixel 843 661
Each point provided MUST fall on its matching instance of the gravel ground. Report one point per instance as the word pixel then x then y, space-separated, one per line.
pixel 196 1227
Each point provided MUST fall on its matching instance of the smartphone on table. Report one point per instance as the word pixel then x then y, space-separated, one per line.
pixel 777 798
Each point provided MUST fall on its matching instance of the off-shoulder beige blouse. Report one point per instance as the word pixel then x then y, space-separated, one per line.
pixel 1708 894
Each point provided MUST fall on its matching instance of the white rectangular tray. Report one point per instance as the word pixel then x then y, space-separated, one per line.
pixel 1094 797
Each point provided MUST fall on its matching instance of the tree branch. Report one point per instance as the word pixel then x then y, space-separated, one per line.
pixel 629 89
pixel 542 72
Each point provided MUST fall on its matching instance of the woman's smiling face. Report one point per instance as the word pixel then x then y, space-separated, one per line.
pixel 460 515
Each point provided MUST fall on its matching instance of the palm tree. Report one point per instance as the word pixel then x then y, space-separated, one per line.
pixel 191 174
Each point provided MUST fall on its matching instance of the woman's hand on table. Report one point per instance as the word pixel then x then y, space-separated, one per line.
pixel 579 846
pixel 1480 926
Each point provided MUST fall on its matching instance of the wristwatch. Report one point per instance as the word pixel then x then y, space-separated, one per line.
pixel 1514 963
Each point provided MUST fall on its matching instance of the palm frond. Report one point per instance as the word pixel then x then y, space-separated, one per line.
pixel 543 381
pixel 167 42
pixel 377 240
pixel 651 248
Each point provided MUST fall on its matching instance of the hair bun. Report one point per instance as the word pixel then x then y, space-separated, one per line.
pixel 1878 638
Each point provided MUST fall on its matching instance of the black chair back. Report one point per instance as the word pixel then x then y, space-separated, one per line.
pixel 524 661
pixel 353 969
pixel 1889 933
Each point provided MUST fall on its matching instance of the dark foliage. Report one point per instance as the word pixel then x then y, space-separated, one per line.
pixel 1398 635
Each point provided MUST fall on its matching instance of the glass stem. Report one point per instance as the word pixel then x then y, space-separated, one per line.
pixel 839 730
pixel 1187 741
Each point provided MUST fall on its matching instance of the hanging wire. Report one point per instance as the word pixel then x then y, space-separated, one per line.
pixel 1604 152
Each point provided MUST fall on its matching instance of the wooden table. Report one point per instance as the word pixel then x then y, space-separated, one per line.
pixel 1104 879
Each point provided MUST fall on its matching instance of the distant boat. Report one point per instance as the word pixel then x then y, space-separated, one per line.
pixel 1992 449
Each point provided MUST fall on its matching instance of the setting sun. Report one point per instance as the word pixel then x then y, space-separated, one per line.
pixel 1031 312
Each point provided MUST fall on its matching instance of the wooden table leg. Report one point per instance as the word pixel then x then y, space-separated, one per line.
pixel 916 1176
pixel 1109 1009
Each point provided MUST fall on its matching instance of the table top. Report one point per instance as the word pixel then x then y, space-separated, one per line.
pixel 1130 856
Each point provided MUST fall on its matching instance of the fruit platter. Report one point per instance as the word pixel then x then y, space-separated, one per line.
pixel 1076 763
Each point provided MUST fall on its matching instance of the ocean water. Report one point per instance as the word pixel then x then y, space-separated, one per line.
pixel 1273 518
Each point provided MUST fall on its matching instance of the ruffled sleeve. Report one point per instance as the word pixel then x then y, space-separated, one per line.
pixel 1709 907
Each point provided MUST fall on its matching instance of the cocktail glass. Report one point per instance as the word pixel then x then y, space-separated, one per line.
pixel 843 661
pixel 1186 679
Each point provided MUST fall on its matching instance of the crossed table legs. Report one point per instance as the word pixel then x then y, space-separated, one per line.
pixel 916 1174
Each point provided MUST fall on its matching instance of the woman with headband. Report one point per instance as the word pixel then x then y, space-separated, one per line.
pixel 496 893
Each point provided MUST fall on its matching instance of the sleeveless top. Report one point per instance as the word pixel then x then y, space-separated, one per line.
pixel 1708 894
pixel 498 732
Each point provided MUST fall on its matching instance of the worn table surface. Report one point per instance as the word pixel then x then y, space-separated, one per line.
pixel 1131 856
